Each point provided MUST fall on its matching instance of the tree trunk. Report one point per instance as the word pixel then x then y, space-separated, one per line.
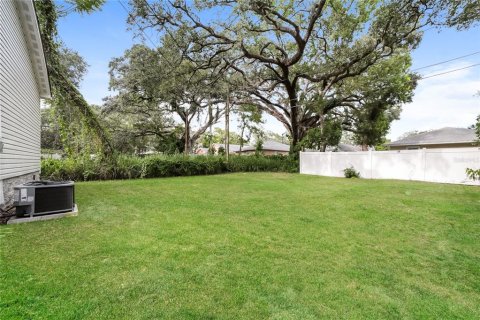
pixel 227 126
pixel 241 138
pixel 187 136
pixel 295 128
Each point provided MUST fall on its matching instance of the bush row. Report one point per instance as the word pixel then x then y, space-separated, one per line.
pixel 129 167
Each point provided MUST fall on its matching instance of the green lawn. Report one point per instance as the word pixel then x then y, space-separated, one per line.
pixel 252 246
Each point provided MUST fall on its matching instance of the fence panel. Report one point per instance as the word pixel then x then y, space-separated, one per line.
pixel 359 160
pixel 434 165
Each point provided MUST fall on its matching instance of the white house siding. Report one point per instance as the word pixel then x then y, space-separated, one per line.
pixel 19 99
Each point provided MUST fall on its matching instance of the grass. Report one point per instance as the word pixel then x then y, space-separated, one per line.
pixel 251 246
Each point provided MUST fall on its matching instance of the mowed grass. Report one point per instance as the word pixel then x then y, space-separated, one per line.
pixel 249 246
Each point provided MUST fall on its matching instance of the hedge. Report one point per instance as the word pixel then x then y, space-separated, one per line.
pixel 129 167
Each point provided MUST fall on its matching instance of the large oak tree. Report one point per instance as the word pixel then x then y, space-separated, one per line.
pixel 283 48
pixel 154 84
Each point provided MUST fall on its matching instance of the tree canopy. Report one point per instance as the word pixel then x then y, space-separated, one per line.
pixel 289 53
pixel 154 84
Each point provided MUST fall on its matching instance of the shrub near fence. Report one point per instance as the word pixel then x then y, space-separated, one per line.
pixel 129 167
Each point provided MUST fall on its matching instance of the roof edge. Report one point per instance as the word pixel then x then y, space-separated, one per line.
pixel 429 143
pixel 28 19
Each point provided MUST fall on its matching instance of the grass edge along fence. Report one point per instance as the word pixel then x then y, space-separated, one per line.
pixel 131 167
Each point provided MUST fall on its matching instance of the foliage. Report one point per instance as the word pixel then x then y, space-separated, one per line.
pixel 221 151
pixel 351 173
pixel 259 147
pixel 129 167
pixel 328 134
pixel 50 136
pixel 473 174
pixel 273 136
pixel 249 123
pixel 382 146
pixel 172 142
pixel 249 246
pixel 218 136
pixel 65 69
pixel 154 84
pixel 376 98
pixel 410 133
pixel 461 14
pixel 82 6
pixel 128 134
pixel 477 128
pixel 286 53
pixel 75 66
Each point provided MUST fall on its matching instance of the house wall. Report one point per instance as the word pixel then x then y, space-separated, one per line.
pixel 19 101
pixel 435 146
pixel 6 186
pixel 434 165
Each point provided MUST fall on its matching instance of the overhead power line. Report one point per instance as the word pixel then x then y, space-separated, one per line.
pixel 442 62
pixel 450 71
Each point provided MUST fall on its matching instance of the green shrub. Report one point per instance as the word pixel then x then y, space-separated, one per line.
pixel 473 174
pixel 351 173
pixel 129 167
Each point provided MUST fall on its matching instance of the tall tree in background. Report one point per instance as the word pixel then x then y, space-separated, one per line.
pixel 477 128
pixel 153 84
pixel 375 99
pixel 249 122
pixel 328 133
pixel 280 48
pixel 285 48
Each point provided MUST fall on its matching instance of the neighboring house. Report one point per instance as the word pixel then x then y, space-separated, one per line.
pixel 343 147
pixel 269 147
pixel 435 139
pixel 201 151
pixel 216 146
pixel 23 82
pixel 232 147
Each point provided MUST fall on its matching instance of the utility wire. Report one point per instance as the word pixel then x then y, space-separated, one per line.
pixel 442 62
pixel 450 71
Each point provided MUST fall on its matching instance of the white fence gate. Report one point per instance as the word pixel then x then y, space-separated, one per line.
pixel 434 165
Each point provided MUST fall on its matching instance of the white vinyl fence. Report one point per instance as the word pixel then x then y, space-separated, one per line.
pixel 434 165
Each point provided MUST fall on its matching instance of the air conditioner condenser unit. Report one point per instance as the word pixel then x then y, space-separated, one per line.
pixel 44 197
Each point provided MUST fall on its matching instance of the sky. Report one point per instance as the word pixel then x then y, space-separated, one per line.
pixel 442 101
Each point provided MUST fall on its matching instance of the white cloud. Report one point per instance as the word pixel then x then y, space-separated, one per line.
pixel 444 101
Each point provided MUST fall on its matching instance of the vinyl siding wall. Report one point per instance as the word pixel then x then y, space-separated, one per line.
pixel 19 99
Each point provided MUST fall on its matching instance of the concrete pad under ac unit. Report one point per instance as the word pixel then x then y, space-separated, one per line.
pixel 16 220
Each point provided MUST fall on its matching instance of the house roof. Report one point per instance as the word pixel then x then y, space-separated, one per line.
pixel 344 147
pixel 270 145
pixel 29 22
pixel 440 136
pixel 201 151
pixel 232 147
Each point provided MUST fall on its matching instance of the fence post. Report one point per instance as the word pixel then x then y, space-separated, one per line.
pixel 329 160
pixel 424 162
pixel 370 159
